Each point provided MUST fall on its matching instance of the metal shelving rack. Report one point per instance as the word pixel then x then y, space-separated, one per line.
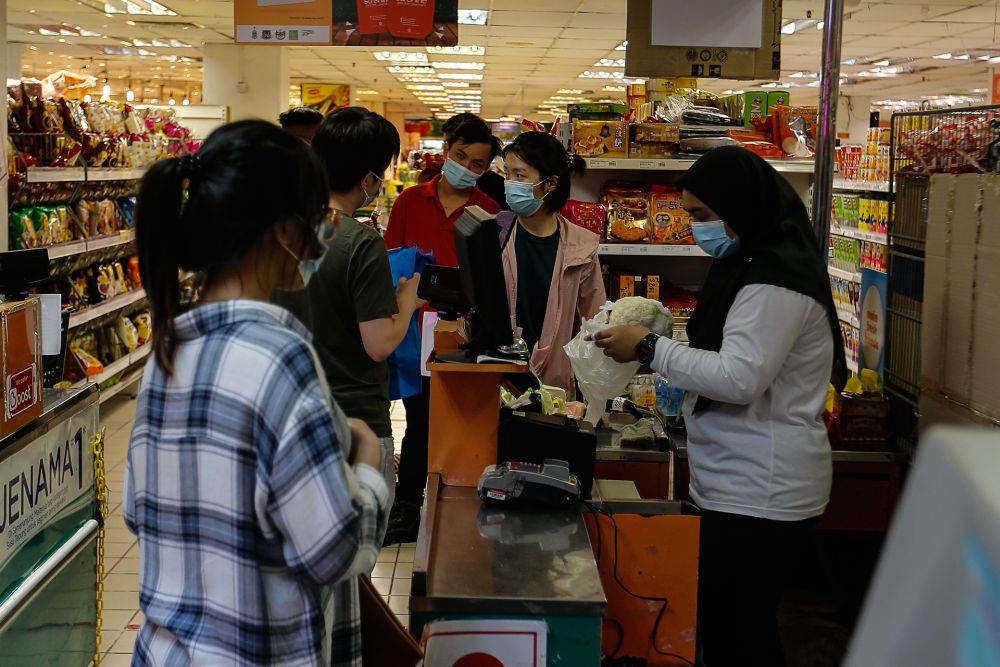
pixel 909 183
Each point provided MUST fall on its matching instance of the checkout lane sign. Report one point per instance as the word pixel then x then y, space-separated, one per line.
pixel 47 479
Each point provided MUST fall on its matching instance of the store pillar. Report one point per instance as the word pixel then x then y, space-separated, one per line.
pixel 253 81
pixel 853 118
pixel 13 63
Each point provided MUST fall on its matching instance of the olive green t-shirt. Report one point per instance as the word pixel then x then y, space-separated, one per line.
pixel 354 284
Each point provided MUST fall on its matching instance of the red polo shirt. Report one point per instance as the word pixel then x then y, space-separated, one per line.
pixel 418 219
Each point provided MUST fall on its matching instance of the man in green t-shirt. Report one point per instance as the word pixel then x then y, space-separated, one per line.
pixel 356 316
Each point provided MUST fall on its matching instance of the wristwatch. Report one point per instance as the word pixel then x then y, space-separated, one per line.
pixel 646 348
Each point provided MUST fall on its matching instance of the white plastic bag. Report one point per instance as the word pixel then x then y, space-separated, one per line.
pixel 601 378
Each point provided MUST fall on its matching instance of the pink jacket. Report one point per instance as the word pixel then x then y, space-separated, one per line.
pixel 576 292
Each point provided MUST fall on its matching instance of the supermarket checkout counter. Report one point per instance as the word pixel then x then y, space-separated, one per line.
pixel 48 535
pixel 476 562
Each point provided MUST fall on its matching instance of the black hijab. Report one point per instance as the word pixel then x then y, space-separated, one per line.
pixel 777 246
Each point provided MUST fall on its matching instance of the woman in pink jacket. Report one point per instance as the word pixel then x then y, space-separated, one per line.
pixel 551 266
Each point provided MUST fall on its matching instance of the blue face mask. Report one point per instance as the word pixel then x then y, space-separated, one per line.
pixel 369 198
pixel 521 197
pixel 309 267
pixel 712 238
pixel 458 176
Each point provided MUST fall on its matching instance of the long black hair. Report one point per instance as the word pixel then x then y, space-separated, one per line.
pixel 546 154
pixel 204 211
pixel 777 245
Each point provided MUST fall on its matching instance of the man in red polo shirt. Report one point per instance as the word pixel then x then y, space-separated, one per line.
pixel 425 215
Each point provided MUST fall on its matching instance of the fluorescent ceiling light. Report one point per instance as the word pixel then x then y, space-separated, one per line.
pixel 622 46
pixel 458 65
pixel 943 56
pixel 461 76
pixel 401 56
pixel 472 16
pixel 964 56
pixel 820 25
pixel 368 92
pixel 788 28
pixel 134 7
pixel 574 91
pixel 410 69
pixel 459 50
pixel 425 87
pixel 455 84
pixel 610 89
pixel 610 62
pixel 417 78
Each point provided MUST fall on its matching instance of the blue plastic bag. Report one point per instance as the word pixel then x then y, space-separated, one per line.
pixel 404 363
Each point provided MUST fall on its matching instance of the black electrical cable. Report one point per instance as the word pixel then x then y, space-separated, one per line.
pixel 614 570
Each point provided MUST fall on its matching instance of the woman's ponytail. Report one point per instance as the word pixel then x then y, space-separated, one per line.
pixel 159 208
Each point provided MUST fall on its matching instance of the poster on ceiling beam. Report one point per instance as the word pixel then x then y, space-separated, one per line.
pixel 386 23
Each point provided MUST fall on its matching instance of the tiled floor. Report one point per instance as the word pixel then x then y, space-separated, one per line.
pixel 122 618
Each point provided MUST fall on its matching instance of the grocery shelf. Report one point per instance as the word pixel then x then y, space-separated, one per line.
pixel 126 382
pixel 854 277
pixel 116 367
pixel 851 364
pixel 110 306
pixel 649 250
pixel 89 245
pixel 114 174
pixel 848 318
pixel 56 175
pixel 684 163
pixel 110 241
pixel 66 249
pixel 861 186
pixel 873 237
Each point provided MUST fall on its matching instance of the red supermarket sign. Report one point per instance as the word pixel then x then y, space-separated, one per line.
pixel 996 89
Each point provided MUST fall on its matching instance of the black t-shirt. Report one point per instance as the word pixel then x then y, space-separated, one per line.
pixel 536 259
pixel 354 284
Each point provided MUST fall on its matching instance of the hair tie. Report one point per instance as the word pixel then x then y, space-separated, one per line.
pixel 190 165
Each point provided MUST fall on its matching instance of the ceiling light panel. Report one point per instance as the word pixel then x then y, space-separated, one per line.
pixel 401 56
pixel 459 50
pixel 458 65
pixel 460 76
pixel 473 16
pixel 132 7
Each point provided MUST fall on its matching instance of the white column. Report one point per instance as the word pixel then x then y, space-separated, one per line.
pixel 853 113
pixel 13 65
pixel 251 80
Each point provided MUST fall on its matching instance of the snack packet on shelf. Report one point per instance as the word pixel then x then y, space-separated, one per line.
pixel 628 211
pixel 589 215
pixel 22 229
pixel 144 327
pixel 670 223
pixel 128 333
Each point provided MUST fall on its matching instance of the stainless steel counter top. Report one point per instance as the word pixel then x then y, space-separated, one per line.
pixel 477 560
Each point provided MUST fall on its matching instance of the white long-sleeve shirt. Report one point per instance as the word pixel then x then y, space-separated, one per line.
pixel 761 449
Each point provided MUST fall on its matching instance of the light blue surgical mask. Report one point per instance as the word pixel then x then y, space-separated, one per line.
pixel 309 267
pixel 521 197
pixel 458 176
pixel 711 236
pixel 369 198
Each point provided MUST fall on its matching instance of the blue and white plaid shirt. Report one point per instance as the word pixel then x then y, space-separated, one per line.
pixel 251 524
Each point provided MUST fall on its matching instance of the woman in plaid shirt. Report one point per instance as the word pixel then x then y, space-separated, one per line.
pixel 255 501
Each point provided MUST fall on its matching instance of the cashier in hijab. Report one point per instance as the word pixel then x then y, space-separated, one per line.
pixel 765 344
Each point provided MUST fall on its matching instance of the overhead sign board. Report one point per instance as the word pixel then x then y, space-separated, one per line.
pixel 723 39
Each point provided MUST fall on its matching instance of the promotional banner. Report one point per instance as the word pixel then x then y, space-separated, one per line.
pixel 46 480
pixel 874 303
pixel 326 97
pixel 395 22
pixel 283 22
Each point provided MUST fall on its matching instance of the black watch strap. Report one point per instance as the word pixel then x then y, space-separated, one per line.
pixel 646 348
